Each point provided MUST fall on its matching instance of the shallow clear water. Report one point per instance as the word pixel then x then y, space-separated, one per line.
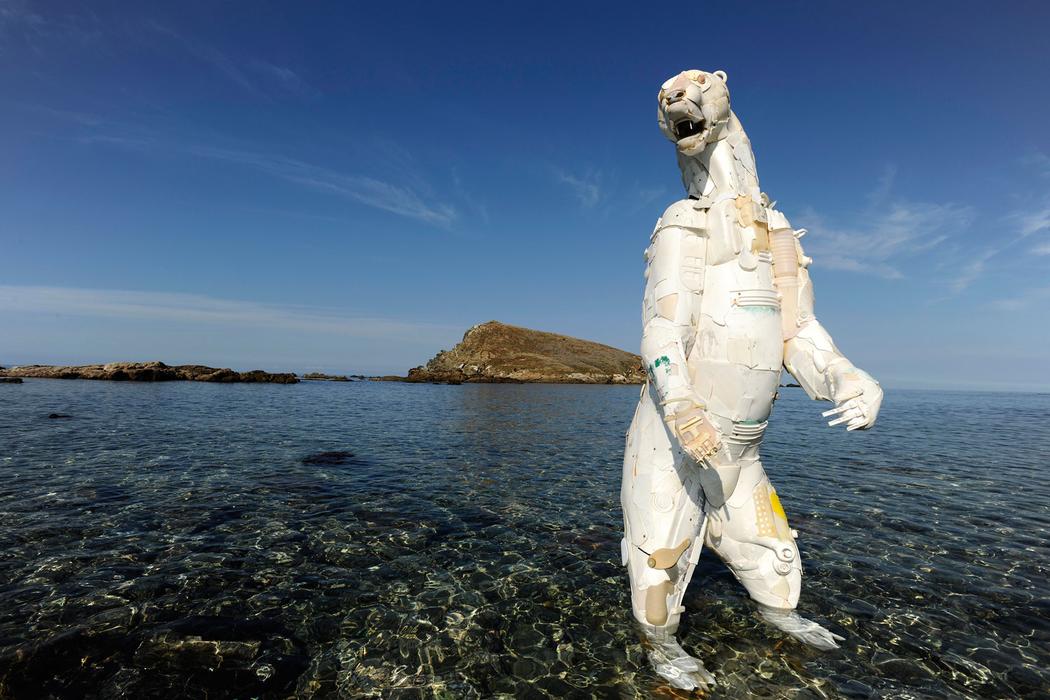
pixel 168 540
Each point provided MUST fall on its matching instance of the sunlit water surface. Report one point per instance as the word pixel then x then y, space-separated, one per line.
pixel 169 540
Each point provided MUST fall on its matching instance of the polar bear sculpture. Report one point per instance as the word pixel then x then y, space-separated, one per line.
pixel 728 303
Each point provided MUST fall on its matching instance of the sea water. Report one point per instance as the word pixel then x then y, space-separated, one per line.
pixel 192 540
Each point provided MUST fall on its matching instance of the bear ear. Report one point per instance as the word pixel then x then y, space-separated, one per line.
pixel 721 75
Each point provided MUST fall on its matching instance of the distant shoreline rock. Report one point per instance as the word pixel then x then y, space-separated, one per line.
pixel 150 372
pixel 321 377
pixel 495 352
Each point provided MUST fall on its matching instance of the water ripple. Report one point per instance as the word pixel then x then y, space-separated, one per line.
pixel 356 540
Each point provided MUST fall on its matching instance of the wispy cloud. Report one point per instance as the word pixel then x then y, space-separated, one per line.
pixel 594 186
pixel 222 63
pixel 37 27
pixel 412 196
pixel 587 188
pixel 15 12
pixel 284 77
pixel 1031 213
pixel 369 191
pixel 1039 161
pixel 883 187
pixel 200 309
pixel 254 75
pixel 479 208
pixel 890 230
pixel 970 272
pixel 397 199
pixel 47 30
pixel 646 195
pixel 68 115
pixel 1023 224
pixel 1029 222
pixel 887 236
pixel 1021 301
pixel 402 191
pixel 207 54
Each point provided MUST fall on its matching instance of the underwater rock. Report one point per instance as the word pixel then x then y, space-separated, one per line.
pixel 54 416
pixel 61 665
pixel 495 352
pixel 10 380
pixel 215 654
pixel 330 458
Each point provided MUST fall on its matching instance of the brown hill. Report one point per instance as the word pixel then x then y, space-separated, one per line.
pixel 496 352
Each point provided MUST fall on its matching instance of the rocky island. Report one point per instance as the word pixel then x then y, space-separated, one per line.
pixel 322 377
pixel 149 372
pixel 491 352
pixel 497 352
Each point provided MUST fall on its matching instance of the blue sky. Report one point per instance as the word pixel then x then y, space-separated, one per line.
pixel 348 187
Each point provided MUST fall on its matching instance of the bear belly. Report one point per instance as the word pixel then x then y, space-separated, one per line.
pixel 738 351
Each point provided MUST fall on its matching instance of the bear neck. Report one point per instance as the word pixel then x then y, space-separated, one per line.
pixel 724 170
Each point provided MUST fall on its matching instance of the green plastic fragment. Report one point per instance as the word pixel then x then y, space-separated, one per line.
pixel 662 360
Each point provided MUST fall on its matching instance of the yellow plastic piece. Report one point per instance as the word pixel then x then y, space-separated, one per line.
pixel 774 500
pixel 781 520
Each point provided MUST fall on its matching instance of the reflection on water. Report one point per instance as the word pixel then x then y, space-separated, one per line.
pixel 176 540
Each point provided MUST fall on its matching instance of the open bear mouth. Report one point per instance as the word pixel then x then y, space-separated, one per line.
pixel 687 128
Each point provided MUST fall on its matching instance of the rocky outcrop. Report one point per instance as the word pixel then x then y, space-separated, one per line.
pixel 322 377
pixel 150 372
pixel 10 380
pixel 496 352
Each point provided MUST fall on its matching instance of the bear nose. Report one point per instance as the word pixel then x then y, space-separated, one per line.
pixel 675 96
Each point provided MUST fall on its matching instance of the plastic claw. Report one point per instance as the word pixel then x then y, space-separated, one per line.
pixel 674 664
pixel 805 631
pixel 838 409
pixel 858 422
pixel 844 418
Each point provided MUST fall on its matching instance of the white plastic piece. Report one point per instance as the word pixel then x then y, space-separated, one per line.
pixel 805 631
pixel 728 304
pixel 673 663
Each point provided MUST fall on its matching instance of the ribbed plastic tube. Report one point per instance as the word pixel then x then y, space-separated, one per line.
pixel 785 277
